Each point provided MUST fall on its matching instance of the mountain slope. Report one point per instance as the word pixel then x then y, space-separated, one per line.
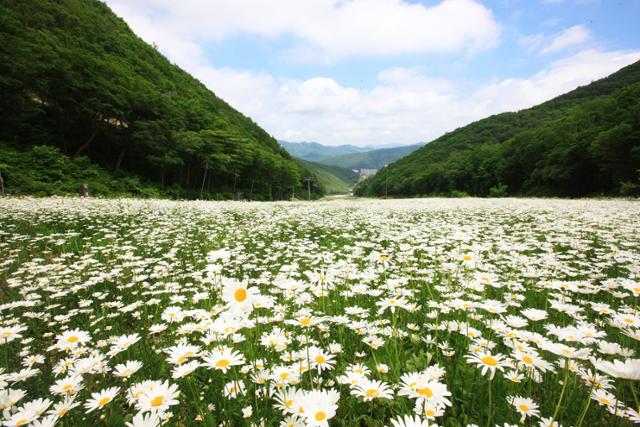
pixel 333 179
pixel 312 151
pixel 374 159
pixel 74 76
pixel 584 142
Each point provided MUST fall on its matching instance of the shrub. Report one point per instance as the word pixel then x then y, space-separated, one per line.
pixel 498 190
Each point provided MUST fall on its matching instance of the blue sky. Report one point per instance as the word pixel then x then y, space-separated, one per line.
pixel 377 72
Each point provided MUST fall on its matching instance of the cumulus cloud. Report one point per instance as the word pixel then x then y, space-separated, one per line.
pixel 326 30
pixel 405 105
pixel 559 77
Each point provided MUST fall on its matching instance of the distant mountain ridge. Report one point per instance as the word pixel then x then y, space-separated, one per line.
pixel 313 151
pixel 374 159
pixel 348 156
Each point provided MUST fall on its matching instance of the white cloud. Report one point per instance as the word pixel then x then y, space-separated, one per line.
pixel 573 36
pixel 406 105
pixel 544 44
pixel 324 30
pixel 560 77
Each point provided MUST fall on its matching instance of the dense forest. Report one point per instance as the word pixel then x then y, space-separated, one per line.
pixel 79 88
pixel 586 142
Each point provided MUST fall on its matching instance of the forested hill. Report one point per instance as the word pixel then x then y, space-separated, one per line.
pixel 585 142
pixel 74 76
pixel 374 159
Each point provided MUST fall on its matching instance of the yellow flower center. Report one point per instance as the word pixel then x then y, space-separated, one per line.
pixel 489 360
pixel 320 416
pixel 527 360
pixel 67 387
pixel 305 321
pixel 104 401
pixel 284 375
pixel 320 358
pixel 430 413
pixel 523 407
pixel 157 401
pixel 605 401
pixel 628 320
pixel 240 295
pixel 223 363
pixel 426 391
pixel 63 411
pixel 468 257
pixel 372 392
pixel 22 422
pixel 72 339
pixel 288 404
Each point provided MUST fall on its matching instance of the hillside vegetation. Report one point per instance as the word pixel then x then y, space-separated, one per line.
pixel 333 179
pixel 585 142
pixel 74 77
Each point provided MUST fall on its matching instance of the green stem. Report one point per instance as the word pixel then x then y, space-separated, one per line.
pixel 564 388
pixel 195 397
pixel 396 365
pixel 618 391
pixel 586 406
pixel 373 353
pixel 635 397
pixel 490 404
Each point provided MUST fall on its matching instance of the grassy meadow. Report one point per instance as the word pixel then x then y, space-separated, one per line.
pixel 448 312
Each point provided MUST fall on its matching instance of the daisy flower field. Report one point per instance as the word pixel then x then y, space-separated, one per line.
pixel 424 312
